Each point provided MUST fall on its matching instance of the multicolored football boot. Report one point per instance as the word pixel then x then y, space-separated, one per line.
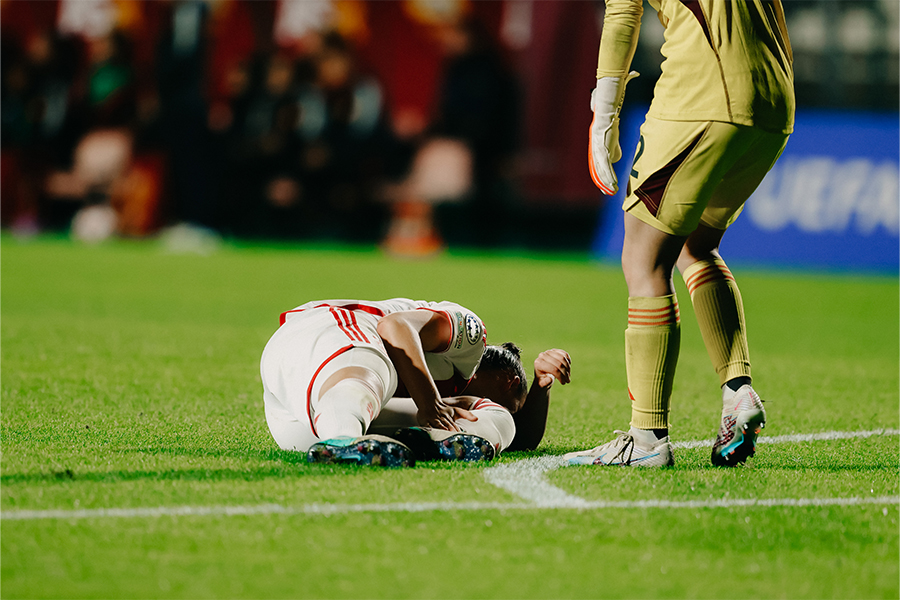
pixel 374 450
pixel 437 444
pixel 743 417
pixel 625 451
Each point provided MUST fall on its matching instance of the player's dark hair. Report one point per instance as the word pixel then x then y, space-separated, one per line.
pixel 507 358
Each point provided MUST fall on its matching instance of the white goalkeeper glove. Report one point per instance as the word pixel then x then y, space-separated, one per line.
pixel 603 145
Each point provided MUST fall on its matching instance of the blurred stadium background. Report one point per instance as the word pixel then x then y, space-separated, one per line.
pixel 417 124
pixel 330 127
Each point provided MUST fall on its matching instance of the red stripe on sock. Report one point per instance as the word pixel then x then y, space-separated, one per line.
pixel 708 274
pixel 649 317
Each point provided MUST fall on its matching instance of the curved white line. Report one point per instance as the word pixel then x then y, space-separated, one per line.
pixel 526 478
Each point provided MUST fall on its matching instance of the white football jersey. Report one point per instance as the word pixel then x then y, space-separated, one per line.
pixel 451 368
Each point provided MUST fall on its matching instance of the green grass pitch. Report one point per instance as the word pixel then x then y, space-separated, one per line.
pixel 130 380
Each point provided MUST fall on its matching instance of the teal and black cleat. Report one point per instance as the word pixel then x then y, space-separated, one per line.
pixel 437 444
pixel 374 450
pixel 743 417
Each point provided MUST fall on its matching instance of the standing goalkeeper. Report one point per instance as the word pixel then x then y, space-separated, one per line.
pixel 721 115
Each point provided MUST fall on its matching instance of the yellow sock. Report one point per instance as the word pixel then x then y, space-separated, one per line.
pixel 720 314
pixel 651 353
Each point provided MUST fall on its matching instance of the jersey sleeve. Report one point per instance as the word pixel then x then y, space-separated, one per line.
pixel 466 344
pixel 495 423
pixel 619 38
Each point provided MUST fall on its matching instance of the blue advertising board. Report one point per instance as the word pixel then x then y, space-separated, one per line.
pixel 831 202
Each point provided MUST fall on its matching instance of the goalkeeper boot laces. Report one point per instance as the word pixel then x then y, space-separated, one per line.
pixel 743 417
pixel 625 451
pixel 374 450
pixel 437 444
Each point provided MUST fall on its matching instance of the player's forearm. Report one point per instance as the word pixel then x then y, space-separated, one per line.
pixel 618 41
pixel 404 348
pixel 531 419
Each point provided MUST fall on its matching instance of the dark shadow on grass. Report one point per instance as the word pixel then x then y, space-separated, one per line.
pixel 171 475
pixel 285 465
pixel 272 454
pixel 275 463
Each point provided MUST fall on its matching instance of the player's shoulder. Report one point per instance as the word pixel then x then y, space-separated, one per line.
pixel 467 325
pixel 450 307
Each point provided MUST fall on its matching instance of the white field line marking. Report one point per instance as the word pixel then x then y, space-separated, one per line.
pixel 804 437
pixel 524 478
pixel 417 507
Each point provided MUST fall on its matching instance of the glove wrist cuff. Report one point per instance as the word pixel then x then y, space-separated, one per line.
pixel 609 93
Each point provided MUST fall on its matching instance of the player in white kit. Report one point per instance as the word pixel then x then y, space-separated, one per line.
pixel 333 367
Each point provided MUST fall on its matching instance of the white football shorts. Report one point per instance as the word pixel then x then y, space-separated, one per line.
pixel 303 354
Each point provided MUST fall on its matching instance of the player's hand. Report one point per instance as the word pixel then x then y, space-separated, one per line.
pixel 552 365
pixel 603 143
pixel 443 416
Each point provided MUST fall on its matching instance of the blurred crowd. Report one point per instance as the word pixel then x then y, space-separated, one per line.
pixel 416 123
pixel 106 133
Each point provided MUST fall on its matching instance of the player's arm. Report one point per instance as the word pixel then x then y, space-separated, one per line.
pixel 619 38
pixel 407 336
pixel 618 41
pixel 531 420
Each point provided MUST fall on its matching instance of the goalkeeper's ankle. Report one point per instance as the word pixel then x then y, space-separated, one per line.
pixel 732 386
pixel 648 437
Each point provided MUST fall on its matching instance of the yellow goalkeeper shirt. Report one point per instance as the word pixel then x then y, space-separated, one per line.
pixel 725 60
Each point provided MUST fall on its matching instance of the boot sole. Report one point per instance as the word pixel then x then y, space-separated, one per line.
pixel 743 446
pixel 369 451
pixel 459 447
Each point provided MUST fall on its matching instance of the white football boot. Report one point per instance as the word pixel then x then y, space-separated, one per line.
pixel 626 451
pixel 743 417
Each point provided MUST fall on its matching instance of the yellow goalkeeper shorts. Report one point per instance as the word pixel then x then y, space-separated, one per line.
pixel 690 172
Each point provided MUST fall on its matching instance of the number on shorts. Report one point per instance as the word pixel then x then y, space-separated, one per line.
pixel 637 155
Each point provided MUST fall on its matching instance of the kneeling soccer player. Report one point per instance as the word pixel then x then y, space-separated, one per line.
pixel 331 370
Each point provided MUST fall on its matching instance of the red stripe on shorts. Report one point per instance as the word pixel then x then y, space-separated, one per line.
pixel 312 382
pixel 362 307
pixel 347 323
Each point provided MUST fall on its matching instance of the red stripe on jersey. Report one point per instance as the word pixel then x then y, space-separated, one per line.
pixel 485 403
pixel 312 382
